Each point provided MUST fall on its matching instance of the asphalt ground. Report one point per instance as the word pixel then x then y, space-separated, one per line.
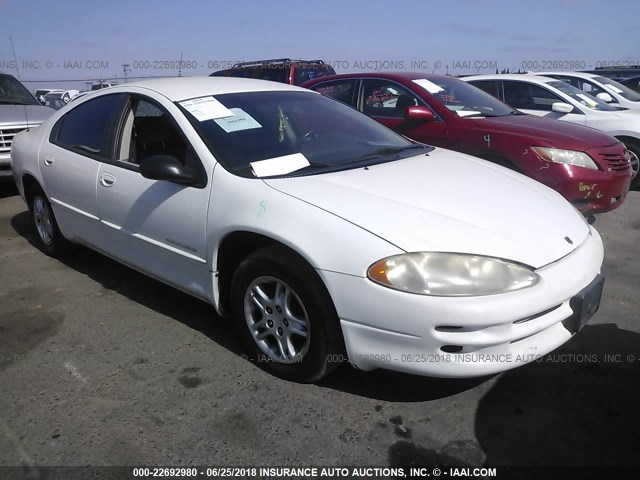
pixel 100 365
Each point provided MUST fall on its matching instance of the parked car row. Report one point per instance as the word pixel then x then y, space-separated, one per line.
pixel 588 167
pixel 320 234
pixel 556 99
pixel 58 98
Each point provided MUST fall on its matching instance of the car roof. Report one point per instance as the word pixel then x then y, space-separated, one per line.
pixel 539 79
pixel 568 74
pixel 387 75
pixel 403 75
pixel 182 88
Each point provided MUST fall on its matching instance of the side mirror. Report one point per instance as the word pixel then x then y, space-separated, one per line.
pixel 605 97
pixel 418 114
pixel 167 167
pixel 561 107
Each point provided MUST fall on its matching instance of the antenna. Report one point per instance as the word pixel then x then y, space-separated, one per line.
pixel 14 56
pixel 180 65
pixel 15 59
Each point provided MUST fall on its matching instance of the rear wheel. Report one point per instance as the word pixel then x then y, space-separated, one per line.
pixel 285 316
pixel 49 238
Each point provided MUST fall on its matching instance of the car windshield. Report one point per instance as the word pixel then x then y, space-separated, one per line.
pixel 14 93
pixel 299 132
pixel 582 97
pixel 618 88
pixel 463 99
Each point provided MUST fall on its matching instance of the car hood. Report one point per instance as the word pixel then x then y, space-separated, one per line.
pixel 559 134
pixel 448 202
pixel 22 114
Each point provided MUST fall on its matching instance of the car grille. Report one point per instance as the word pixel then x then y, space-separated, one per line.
pixel 615 161
pixel 6 137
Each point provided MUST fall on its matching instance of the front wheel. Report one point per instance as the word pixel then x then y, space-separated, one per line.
pixel 634 153
pixel 285 316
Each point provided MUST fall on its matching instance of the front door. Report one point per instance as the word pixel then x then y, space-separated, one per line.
pixel 156 226
pixel 387 101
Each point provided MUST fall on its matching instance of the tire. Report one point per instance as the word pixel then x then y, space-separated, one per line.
pixel 49 239
pixel 284 316
pixel 634 148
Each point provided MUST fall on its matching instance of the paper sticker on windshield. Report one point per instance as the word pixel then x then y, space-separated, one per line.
pixel 279 165
pixel 590 101
pixel 206 108
pixel 428 85
pixel 240 120
pixel 613 88
pixel 466 113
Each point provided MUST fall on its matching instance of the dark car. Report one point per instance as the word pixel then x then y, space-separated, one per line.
pixel 589 168
pixel 633 83
pixel 284 70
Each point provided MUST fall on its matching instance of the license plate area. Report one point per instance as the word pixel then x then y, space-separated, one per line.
pixel 584 305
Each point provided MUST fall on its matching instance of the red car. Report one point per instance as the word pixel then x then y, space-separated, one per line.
pixel 589 168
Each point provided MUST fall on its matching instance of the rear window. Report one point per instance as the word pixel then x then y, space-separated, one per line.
pixel 306 72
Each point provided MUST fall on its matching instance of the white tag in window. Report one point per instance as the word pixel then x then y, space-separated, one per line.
pixel 279 165
pixel 428 85
pixel 240 120
pixel 206 108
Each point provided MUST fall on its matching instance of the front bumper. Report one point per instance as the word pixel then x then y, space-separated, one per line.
pixel 5 165
pixel 461 337
pixel 590 191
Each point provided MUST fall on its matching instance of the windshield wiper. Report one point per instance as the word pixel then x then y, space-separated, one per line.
pixel 388 151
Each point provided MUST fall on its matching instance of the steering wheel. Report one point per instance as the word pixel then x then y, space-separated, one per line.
pixel 310 135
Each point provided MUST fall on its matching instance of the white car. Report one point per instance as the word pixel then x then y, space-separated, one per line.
pixel 65 96
pixel 321 234
pixel 553 98
pixel 606 89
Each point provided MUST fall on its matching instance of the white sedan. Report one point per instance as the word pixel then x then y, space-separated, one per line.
pixel 553 98
pixel 606 89
pixel 321 235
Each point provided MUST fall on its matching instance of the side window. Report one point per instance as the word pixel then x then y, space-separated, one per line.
pixel 528 96
pixel 341 90
pixel 592 88
pixel 275 73
pixel 383 98
pixel 147 130
pixel 492 87
pixel 85 129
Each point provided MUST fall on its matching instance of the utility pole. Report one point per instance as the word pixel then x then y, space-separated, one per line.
pixel 125 67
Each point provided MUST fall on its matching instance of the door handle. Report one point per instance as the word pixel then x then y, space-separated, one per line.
pixel 48 160
pixel 107 180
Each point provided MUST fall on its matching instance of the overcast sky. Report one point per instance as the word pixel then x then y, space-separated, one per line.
pixel 78 40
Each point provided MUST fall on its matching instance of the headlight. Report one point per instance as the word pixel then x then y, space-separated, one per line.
pixel 568 157
pixel 451 274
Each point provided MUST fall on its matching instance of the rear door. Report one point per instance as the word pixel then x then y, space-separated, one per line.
pixel 70 160
pixel 156 226
pixel 344 90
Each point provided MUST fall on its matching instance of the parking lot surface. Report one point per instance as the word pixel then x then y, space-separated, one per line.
pixel 100 365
